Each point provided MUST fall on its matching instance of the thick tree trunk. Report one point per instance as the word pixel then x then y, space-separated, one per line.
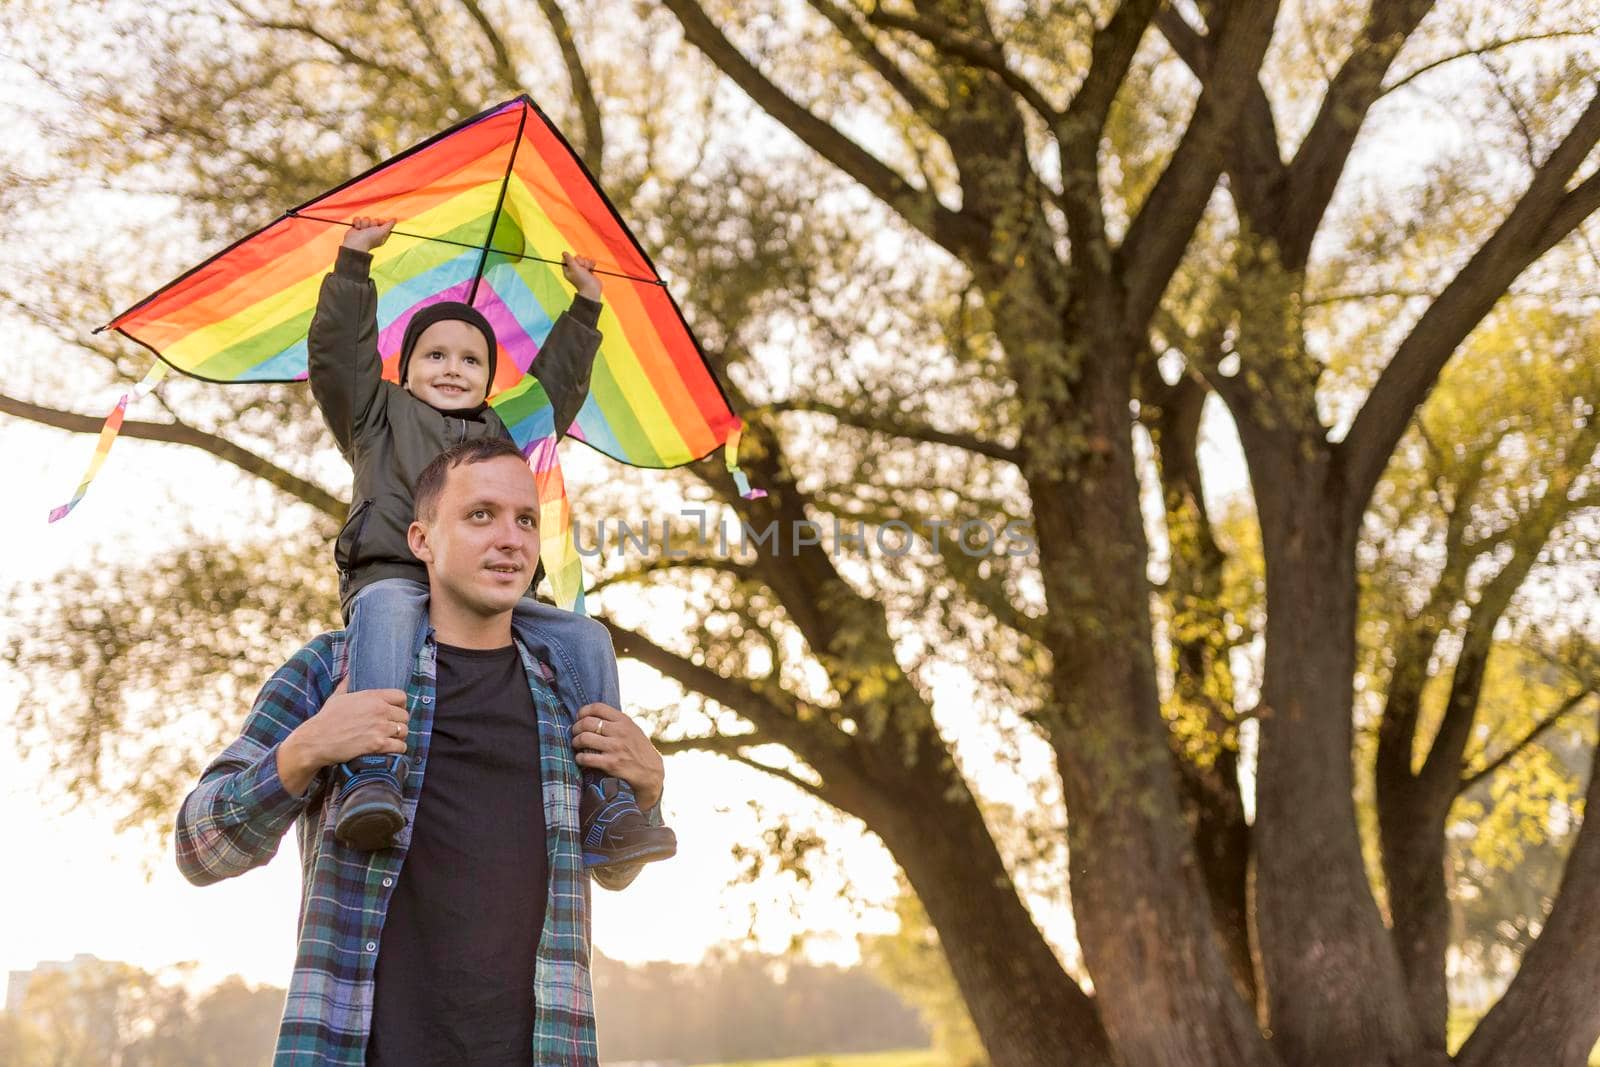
pixel 1551 1014
pixel 1335 987
pixel 1203 691
pixel 1413 846
pixel 897 776
pixel 1215 812
pixel 1412 811
pixel 1025 1006
pixel 1165 992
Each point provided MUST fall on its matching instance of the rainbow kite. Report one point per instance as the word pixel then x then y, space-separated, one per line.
pixel 485 210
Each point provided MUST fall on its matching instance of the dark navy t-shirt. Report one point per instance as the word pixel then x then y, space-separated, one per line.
pixel 454 981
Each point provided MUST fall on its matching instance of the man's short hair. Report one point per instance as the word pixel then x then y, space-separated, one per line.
pixel 430 483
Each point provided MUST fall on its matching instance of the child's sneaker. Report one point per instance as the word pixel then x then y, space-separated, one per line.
pixel 371 811
pixel 615 831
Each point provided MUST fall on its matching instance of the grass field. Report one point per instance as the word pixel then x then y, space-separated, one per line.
pixel 1460 1027
pixel 901 1058
pixel 924 1058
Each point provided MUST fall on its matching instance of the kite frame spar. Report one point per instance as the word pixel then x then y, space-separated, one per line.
pixel 485 249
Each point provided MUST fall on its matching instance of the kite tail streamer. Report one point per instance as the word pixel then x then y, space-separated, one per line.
pixel 730 459
pixel 556 547
pixel 108 434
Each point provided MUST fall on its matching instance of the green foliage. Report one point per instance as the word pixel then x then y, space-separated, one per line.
pixel 142 680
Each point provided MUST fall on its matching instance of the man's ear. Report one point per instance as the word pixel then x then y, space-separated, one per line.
pixel 417 540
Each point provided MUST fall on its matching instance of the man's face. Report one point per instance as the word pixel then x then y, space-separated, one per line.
pixel 481 545
pixel 449 368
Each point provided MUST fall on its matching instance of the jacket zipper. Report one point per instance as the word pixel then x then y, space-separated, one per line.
pixel 355 538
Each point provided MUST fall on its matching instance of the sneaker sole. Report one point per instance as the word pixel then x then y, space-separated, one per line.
pixel 369 827
pixel 646 854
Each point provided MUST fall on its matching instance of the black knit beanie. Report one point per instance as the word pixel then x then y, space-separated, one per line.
pixel 442 312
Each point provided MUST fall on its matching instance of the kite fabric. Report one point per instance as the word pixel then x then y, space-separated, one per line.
pixel 484 211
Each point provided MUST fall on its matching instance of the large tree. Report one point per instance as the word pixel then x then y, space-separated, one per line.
pixel 1099 225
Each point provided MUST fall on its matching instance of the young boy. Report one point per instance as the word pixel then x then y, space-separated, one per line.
pixel 389 433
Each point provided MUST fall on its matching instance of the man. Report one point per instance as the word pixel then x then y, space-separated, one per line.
pixel 468 941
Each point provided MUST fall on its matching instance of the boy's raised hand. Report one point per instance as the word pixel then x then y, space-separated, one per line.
pixel 368 233
pixel 579 272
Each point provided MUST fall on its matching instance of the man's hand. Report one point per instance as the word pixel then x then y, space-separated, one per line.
pixel 348 725
pixel 368 233
pixel 613 744
pixel 578 270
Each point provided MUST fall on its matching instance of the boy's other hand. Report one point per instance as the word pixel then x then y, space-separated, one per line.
pixel 368 233
pixel 579 271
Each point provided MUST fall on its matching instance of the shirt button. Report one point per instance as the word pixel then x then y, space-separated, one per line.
pixel 372 946
pixel 427 700
pixel 388 882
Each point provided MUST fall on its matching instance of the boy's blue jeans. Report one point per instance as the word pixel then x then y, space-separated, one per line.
pixel 385 631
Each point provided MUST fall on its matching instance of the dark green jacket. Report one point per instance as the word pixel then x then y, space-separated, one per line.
pixel 388 435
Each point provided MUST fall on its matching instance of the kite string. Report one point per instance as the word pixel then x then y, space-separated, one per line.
pixel 108 434
pixel 480 248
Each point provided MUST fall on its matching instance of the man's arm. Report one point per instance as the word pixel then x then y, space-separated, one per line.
pixel 251 794
pixel 342 345
pixel 236 816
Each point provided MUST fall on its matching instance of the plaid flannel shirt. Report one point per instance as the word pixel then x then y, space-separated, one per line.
pixel 239 812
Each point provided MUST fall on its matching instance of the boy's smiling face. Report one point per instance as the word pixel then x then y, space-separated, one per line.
pixel 449 368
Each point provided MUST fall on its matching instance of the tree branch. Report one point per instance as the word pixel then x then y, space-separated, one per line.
pixel 985 55
pixel 1254 166
pixel 733 746
pixel 721 744
pixel 742 571
pixel 910 429
pixel 804 730
pixel 874 57
pixel 1541 217
pixel 594 134
pixel 503 67
pixel 1480 50
pixel 1161 231
pixel 1539 729
pixel 426 36
pixel 342 50
pixel 1111 53
pixel 731 693
pixel 963 237
pixel 1079 129
pixel 179 434
pixel 1320 160
pixel 1550 1014
pixel 820 792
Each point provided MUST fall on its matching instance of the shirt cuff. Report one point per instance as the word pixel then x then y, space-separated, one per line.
pixel 260 793
pixel 585 311
pixel 353 263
